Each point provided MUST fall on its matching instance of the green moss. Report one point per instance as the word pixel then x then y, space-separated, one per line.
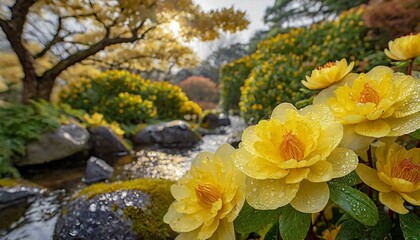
pixel 147 224
pixel 7 182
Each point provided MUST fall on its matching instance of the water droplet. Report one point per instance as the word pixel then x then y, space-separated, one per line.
pixel 92 207
pixel 73 232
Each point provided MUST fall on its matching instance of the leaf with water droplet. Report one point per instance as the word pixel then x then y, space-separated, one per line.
pixel 355 203
pixel 350 179
pixel 410 225
pixel 352 229
pixel 293 225
pixel 253 220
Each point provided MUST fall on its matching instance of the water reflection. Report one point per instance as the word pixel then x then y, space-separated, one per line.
pixel 37 217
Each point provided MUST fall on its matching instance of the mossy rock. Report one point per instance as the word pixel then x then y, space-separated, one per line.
pixel 9 182
pixel 120 210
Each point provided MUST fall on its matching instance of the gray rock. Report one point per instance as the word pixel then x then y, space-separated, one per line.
pixel 171 134
pixel 97 170
pixel 97 218
pixel 63 142
pixel 106 142
pixel 18 193
pixel 213 121
pixel 115 216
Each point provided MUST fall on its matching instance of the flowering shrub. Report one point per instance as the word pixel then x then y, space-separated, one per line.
pixel 233 76
pixel 298 173
pixel 280 63
pixel 127 98
pixel 97 119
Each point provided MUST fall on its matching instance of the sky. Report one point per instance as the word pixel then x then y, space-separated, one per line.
pixel 255 11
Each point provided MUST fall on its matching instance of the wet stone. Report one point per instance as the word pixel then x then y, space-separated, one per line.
pixel 11 195
pixel 171 134
pixel 97 170
pixel 101 217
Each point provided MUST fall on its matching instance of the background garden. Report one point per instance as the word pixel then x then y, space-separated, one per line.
pixel 102 79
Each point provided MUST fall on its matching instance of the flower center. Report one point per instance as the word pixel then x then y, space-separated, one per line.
pixel 369 94
pixel 407 170
pixel 327 65
pixel 207 194
pixel 292 147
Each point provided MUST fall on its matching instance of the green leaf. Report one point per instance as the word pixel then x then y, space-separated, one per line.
pixel 415 134
pixel 400 63
pixel 410 226
pixel 273 233
pixel 293 225
pixel 355 203
pixel 253 220
pixel 350 179
pixel 352 229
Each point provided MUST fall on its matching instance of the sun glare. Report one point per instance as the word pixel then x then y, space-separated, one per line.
pixel 175 27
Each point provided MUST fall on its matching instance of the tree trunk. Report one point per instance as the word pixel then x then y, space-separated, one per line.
pixel 44 88
pixel 29 90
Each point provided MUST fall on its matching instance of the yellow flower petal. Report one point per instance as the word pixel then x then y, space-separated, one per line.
pixel 402 185
pixel 257 167
pixel 413 197
pixel 180 192
pixel 343 162
pixel 188 235
pixel 328 74
pixel 279 112
pixel 187 207
pixel 224 231
pixel 354 141
pixel 206 231
pixel 311 197
pixel 297 175
pixel 377 128
pixel 393 201
pixel 182 222
pixel 379 72
pixel 269 193
pixel 322 171
pixel 405 125
pixel 370 177
pixel 404 48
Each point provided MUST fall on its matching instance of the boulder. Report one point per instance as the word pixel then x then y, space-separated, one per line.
pixel 213 121
pixel 14 191
pixel 171 134
pixel 97 170
pixel 105 142
pixel 121 210
pixel 63 142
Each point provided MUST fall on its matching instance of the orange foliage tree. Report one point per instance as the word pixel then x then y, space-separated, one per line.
pixel 201 90
pixel 390 19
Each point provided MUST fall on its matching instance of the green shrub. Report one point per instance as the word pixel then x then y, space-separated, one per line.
pixel 280 63
pixel 128 98
pixel 21 124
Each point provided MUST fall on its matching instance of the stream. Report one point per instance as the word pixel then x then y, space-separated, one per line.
pixel 35 218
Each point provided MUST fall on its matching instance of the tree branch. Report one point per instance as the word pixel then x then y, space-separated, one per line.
pixel 56 39
pixel 93 49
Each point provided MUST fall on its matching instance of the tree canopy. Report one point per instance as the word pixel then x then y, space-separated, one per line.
pixel 114 34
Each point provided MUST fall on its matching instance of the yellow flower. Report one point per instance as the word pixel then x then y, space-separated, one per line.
pixel 404 48
pixel 330 234
pixel 289 158
pixel 397 176
pixel 328 74
pixel 208 197
pixel 377 104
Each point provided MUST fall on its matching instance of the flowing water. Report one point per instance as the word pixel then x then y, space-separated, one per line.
pixel 35 218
